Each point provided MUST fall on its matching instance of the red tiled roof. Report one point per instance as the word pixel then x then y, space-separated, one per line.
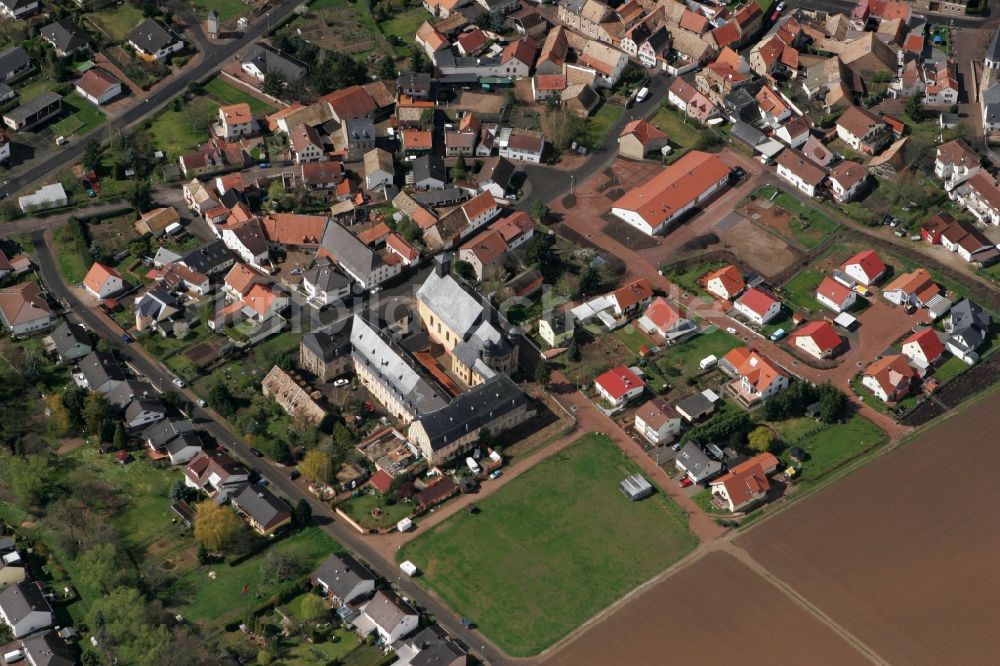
pixel 473 40
pixel 351 102
pixel 98 275
pixel 236 114
pixel 96 82
pixel 822 334
pixel 293 228
pixel 375 234
pixel 381 481
pixel 757 370
pixel 522 49
pixel 487 246
pixel 833 290
pixel 675 187
pixel 756 300
pixel 869 262
pixel 726 34
pixel 417 140
pixel 928 341
pixel 730 276
pixel 643 130
pixel 662 314
pixel 694 21
pixel 632 293
pixel 478 205
pixel 618 381
pixel 549 82
pixel 514 226
pixel 398 244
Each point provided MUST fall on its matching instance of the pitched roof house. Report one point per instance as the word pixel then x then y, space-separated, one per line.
pixel 834 295
pixel 619 385
pixel 725 283
pixel 24 309
pixel 890 378
pixel 817 338
pixel 758 306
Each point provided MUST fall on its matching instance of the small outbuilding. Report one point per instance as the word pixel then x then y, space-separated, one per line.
pixel 636 487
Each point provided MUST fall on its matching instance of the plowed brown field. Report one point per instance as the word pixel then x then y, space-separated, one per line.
pixel 903 554
pixel 714 611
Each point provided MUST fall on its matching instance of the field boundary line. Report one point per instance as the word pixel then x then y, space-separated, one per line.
pixel 745 558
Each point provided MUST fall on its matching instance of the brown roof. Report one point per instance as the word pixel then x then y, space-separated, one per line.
pixel 478 205
pixel 98 275
pixel 643 130
pixel 236 114
pixel 693 21
pixel 159 219
pixel 632 293
pixel 294 229
pixel 801 166
pixel 304 136
pixel 526 140
pixel 514 226
pixel 417 140
pixel 957 153
pixel 487 246
pixel 848 173
pixel 915 281
pixel 891 372
pixel 656 413
pixel 375 234
pixel 23 303
pixel 549 82
pixel 96 82
pixel 319 173
pixel 351 102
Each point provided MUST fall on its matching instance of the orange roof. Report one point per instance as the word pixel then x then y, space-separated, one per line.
pixel 472 40
pixel 423 218
pixel 913 282
pixel 694 21
pixel 726 34
pixel 928 341
pixel 729 57
pixel 351 102
pixel 260 298
pixel 730 277
pixel 662 313
pixel 240 214
pixel 822 334
pixel 469 123
pixel 231 181
pixel 417 140
pixel 742 486
pixel 398 244
pixel 633 293
pixel 750 365
pixel 294 229
pixel 478 205
pixel 236 114
pixel 523 49
pixel 98 275
pixel 891 372
pixel 343 188
pixel 675 187
pixel 96 82
pixel 643 130
pixel 869 262
pixel 833 290
pixel 756 300
pixel 241 277
pixel 770 102
pixel 218 211
pixel 375 234
pixel 487 246
pixel 549 82
pixel 514 226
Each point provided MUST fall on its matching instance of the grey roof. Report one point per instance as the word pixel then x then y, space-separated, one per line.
pixel 498 170
pixel 128 390
pixel 67 335
pixel 429 166
pixel 262 505
pixel 354 256
pixel 98 368
pixel 21 599
pixel 231 197
pixel 967 313
pixel 390 364
pixel 33 106
pixel 153 301
pixel 360 129
pixel 251 236
pixel 327 346
pixel 387 611
pixel 161 433
pixel 748 134
pixel 993 50
pixel 659 40
pixel 165 256
pixel 486 341
pixel 450 302
pixel 341 574
pixel 48 649
pixel 696 462
pixel 208 258
pixel 183 441
pixel 475 408
pixel 435 648
pixel 695 405
pixel 435 198
pixel 268 60
pixel 140 405
pixel 413 81
pixel 64 35
pixel 150 36
pixel 6 544
pixel 13 59
pixel 6 92
pixel 326 278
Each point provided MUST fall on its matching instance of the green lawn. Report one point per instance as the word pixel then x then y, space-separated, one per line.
pixel 682 360
pixel 550 549
pixel 119 21
pixel 633 338
pixel 304 653
pixel 209 599
pixel 950 369
pixel 360 509
pixel 30 91
pixel 680 132
pixel 828 446
pixel 597 126
pixel 687 279
pixel 72 264
pixel 809 227
pixel 173 130
pixel 227 9
pixel 404 26
pixel 224 92
pixel 798 292
pixel 83 117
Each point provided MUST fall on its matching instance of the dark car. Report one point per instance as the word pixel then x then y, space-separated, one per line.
pixel 294 474
pixel 468 624
pixel 257 453
pixel 739 172
pixel 126 338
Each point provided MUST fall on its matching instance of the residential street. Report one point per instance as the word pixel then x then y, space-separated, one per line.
pixel 845 6
pixel 212 56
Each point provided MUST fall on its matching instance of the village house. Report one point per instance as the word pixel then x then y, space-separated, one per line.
pixel 24 309
pixel 98 87
pixel 261 59
pixel 215 473
pixel 618 386
pixel 379 169
pixel 484 252
pixel 955 162
pixel 137 403
pixel 673 192
pixel 101 373
pixel 71 342
pixel 307 145
pixel 630 298
pixel 174 439
pixel 923 348
pixel 152 42
pixel 294 396
pixel 800 171
pixel 834 295
pixel 794 132
pixel 496 177
pixel 657 421
pixel 102 281
pixel 745 483
pixel 980 195
pixel 639 138
pixel 24 608
pixel 757 306
pixel 863 131
pixel 968 328
pixel 942 87
pixel 847 180
pixel 690 101
pixel 325 285
pixel 342 578
pixel 692 462
pixel 757 378
pixel 18 9
pixel 389 617
pixel 325 354
pixel 664 319
pixel 725 283
pixel 521 144
pixel 265 512
pixel 555 328
pixel 818 339
pixel 890 378
pixel 915 288
pixel 366 266
pixel 866 267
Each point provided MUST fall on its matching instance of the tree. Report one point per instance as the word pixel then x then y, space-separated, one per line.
pixel 543 373
pixel 74 398
pixel 408 229
pixel 312 607
pixel 539 211
pixel 761 439
pixel 127 629
pixel 317 466
pixel 92 155
pixel 120 439
pixel 590 283
pixel 102 567
pixel 60 422
pixel 28 477
pixel 914 107
pixel 140 195
pixel 465 270
pixel 95 413
pixel 833 403
pixel 221 400
pixel 460 169
pixel 427 118
pixel 564 127
pixel 574 349
pixel 302 513
pixel 387 68
pixel 215 525
pixel 275 191
pixel 181 492
pixel 273 84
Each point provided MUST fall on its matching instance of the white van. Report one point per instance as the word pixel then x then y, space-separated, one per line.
pixel 61 140
pixel 473 465
pixel 642 94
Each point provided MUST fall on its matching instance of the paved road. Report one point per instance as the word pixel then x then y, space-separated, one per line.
pixel 548 183
pixel 277 475
pixel 845 6
pixel 213 57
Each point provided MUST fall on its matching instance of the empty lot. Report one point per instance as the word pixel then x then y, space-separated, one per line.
pixel 901 553
pixel 714 611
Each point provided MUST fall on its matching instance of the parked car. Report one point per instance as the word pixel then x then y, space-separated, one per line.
pixel 294 474
pixel 731 331
pixel 179 383
pixel 256 452
pixel 685 482
pixel 777 335
pixel 496 474
pixel 295 271
pixel 341 382
pixel 201 403
pixel 265 165
pixel 126 338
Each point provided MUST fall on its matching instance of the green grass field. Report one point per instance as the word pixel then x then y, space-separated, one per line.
pixel 828 446
pixel 32 90
pixel 224 92
pixel 72 264
pixel 798 292
pixel 597 126
pixel 173 130
pixel 551 549
pixel 83 117
pixel 950 369
pixel 360 510
pixel 227 9
pixel 404 26
pixel 119 21
pixel 809 227
pixel 679 132
pixel 682 359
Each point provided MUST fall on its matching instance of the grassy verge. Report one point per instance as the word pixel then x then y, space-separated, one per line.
pixel 224 92
pixel 517 568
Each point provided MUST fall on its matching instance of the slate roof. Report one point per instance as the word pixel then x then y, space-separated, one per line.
pixel 151 36
pixel 267 59
pixel 356 257
pixel 98 368
pixel 207 258
pixel 64 36
pixel 341 573
pixel 429 166
pixel 13 59
pixel 67 335
pixel 450 302
pixel 326 278
pixel 262 505
pixel 21 599
pixel 48 649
